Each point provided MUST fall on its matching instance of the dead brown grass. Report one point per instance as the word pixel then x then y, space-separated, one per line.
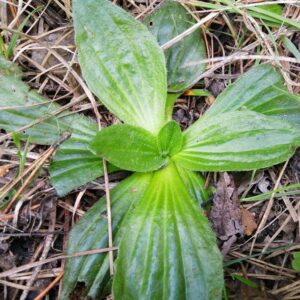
pixel 36 226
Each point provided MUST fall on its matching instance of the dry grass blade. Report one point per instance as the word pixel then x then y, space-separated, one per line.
pixel 52 259
pixel 45 51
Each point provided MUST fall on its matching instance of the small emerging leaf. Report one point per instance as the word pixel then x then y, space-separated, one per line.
pixel 236 141
pixel 168 250
pixel 170 139
pixel 129 147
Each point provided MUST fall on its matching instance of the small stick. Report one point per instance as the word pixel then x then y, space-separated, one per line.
pixel 109 222
pixel 179 37
pixel 50 286
pixel 51 259
pixel 269 207
pixel 47 154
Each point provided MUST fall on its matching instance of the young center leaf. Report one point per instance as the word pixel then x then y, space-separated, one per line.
pixel 73 165
pixel 121 62
pixel 236 141
pixel 167 22
pixel 170 139
pixel 168 250
pixel 260 89
pixel 91 232
pixel 129 147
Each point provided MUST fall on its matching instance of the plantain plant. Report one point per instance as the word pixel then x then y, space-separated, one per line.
pixel 166 248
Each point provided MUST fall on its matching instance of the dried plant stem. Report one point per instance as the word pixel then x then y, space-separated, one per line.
pixel 269 207
pixel 50 286
pixel 39 164
pixel 47 247
pixel 179 37
pixel 109 219
pixel 49 260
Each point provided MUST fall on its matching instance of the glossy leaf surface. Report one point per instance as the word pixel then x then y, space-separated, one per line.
pixel 73 165
pixel 91 233
pixel 168 250
pixel 170 139
pixel 129 147
pixel 195 185
pixel 121 62
pixel 170 20
pixel 260 89
pixel 171 99
pixel 241 140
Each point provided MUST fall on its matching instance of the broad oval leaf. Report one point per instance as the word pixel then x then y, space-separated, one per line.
pixel 91 232
pixel 170 139
pixel 73 165
pixel 129 147
pixel 121 62
pixel 236 141
pixel 167 22
pixel 260 89
pixel 168 250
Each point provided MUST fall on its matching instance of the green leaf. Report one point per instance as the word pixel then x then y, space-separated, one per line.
pixel 16 34
pixel 167 22
pixel 168 250
pixel 171 99
pixel 91 232
pixel 236 141
pixel 274 8
pixel 265 14
pixel 291 47
pixel 296 261
pixel 170 139
pixel 245 281
pixel 260 89
pixel 195 184
pixel 129 147
pixel 261 12
pixel 121 62
pixel 283 191
pixel 73 165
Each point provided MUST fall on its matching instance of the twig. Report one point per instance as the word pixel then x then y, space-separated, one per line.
pixel 282 226
pixel 47 247
pixel 65 63
pixel 18 286
pixel 48 153
pixel 49 260
pixel 44 118
pixel 50 286
pixel 269 207
pixel 109 219
pixel 179 37
pixel 238 56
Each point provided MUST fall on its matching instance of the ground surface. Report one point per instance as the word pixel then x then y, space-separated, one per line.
pixel 38 226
